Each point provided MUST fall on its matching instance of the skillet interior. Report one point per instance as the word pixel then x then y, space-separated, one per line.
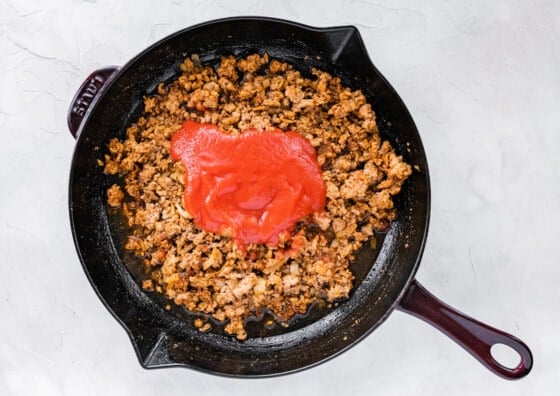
pixel 163 338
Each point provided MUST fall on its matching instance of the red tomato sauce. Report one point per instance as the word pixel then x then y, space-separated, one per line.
pixel 251 187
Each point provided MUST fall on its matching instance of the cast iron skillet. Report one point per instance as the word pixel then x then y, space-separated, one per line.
pixel 112 98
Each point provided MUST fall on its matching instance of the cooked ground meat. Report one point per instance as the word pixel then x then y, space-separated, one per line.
pixel 210 274
pixel 114 196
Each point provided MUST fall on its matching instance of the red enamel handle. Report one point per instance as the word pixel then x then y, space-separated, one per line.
pixel 84 98
pixel 476 337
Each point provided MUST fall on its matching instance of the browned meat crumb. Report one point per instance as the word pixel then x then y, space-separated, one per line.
pixel 202 325
pixel 114 196
pixel 148 285
pixel 209 274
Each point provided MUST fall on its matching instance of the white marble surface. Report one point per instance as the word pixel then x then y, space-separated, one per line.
pixel 482 81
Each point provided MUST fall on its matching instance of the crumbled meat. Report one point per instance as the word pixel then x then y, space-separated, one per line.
pixel 115 196
pixel 210 274
pixel 148 285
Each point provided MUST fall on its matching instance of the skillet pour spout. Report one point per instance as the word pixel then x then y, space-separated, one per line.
pixel 112 98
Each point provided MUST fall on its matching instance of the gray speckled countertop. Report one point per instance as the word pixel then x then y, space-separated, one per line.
pixel 481 80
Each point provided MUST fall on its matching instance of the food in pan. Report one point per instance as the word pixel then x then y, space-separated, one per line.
pixel 220 272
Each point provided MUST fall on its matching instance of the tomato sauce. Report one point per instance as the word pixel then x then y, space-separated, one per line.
pixel 251 187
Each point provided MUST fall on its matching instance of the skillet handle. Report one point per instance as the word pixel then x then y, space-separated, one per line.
pixel 476 337
pixel 88 91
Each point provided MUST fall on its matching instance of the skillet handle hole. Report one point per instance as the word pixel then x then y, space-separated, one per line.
pixel 505 355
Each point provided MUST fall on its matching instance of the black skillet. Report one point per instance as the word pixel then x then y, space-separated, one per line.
pixel 112 98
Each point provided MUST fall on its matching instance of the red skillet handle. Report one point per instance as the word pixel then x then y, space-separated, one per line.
pixel 476 337
pixel 85 96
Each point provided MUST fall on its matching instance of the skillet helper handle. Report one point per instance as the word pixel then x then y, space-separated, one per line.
pixel 88 91
pixel 475 337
